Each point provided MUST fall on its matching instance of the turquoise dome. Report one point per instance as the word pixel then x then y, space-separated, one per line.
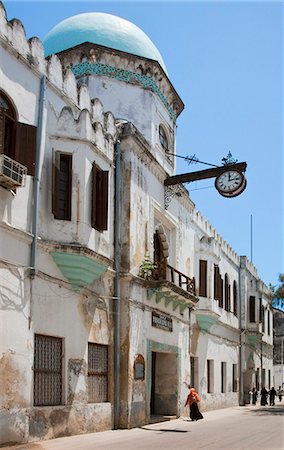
pixel 102 29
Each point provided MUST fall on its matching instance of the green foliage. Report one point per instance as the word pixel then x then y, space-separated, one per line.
pixel 279 293
pixel 147 269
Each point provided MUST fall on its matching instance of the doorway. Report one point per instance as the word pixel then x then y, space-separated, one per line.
pixel 164 384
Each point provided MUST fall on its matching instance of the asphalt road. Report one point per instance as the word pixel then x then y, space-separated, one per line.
pixel 238 428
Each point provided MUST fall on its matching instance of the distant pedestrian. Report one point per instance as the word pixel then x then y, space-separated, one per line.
pixel 280 393
pixel 254 395
pixel 263 396
pixel 192 400
pixel 272 395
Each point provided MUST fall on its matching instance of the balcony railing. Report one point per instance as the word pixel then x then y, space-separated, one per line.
pixel 181 280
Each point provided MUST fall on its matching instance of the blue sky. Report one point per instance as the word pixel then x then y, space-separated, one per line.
pixel 225 59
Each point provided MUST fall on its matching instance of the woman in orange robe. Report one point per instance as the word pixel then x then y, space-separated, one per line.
pixel 192 400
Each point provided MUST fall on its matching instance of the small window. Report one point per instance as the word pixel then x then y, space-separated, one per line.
pixel 62 184
pixel 210 376
pixel 47 371
pixel 223 376
pixel 203 278
pixel 97 373
pixel 99 217
pixel 252 309
pixel 234 378
pixel 163 138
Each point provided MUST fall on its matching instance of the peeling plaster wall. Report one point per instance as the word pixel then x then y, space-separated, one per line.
pixel 78 319
pixel 46 303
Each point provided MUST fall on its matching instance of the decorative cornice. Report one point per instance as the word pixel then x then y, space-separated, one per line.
pixel 87 68
pixel 79 270
pixel 206 319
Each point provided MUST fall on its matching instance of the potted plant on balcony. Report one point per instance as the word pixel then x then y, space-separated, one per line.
pixel 147 269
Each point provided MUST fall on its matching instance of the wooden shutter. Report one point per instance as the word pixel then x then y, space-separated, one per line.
pixel 99 219
pixel 227 293
pixel 62 185
pixel 102 197
pixel 2 130
pixel 235 298
pixel 26 146
pixel 55 183
pixel 260 310
pixel 216 280
pixel 252 309
pixel 94 196
pixel 220 292
pixel 203 278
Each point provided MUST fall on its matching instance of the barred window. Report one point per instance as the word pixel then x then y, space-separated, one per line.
pixel 47 371
pixel 97 373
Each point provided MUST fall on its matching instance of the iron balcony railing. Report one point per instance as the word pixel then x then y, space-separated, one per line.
pixel 165 272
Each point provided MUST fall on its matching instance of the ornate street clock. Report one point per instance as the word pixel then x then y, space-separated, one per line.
pixel 230 183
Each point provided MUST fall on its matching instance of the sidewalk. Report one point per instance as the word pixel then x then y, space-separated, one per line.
pixel 218 430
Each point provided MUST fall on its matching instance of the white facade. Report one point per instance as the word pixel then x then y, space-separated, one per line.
pixel 59 286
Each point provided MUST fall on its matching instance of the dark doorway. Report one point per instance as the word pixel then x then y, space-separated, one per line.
pixel 164 386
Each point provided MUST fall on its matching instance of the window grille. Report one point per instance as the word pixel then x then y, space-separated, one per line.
pixel 97 373
pixel 47 371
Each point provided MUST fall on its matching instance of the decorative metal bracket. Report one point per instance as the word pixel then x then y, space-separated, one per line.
pixel 170 192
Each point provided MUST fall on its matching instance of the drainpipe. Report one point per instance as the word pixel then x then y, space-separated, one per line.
pixel 116 300
pixel 40 142
pixel 241 378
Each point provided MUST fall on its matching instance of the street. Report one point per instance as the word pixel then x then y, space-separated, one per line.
pixel 237 428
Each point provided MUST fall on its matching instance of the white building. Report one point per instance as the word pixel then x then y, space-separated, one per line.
pixel 91 337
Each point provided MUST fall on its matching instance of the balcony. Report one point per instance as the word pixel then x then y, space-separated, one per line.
pixel 181 280
pixel 12 173
pixel 172 286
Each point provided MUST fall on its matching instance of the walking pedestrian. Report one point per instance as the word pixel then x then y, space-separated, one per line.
pixel 192 400
pixel 272 395
pixel 263 396
pixel 254 395
pixel 280 393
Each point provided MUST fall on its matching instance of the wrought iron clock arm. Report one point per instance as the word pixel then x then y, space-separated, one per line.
pixel 203 174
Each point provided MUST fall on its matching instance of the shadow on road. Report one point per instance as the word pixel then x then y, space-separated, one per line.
pixel 268 411
pixel 172 430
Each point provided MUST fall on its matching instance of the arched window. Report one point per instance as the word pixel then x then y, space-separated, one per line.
pixel 235 298
pixel 163 138
pixel 7 126
pixel 227 293
pixel 17 140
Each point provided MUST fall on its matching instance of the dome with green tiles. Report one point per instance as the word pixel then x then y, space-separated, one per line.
pixel 102 29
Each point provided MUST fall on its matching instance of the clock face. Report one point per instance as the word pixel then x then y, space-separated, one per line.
pixel 230 183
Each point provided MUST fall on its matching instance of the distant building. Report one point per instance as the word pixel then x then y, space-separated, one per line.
pixel 278 348
pixel 116 293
